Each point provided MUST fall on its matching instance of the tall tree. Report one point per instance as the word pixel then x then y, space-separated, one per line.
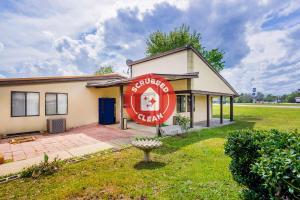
pixel 104 70
pixel 291 97
pixel 259 96
pixel 270 98
pixel 159 42
pixel 215 58
pixel 244 98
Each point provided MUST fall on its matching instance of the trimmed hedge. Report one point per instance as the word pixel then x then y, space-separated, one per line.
pixel 267 163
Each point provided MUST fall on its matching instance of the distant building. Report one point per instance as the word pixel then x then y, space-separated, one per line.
pixel 297 99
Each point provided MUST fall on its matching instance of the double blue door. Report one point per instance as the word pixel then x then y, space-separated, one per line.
pixel 107 110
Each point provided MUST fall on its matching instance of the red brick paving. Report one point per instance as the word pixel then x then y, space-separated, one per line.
pixel 58 142
pixel 102 133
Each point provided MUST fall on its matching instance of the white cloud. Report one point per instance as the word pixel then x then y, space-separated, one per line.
pixel 34 30
pixel 266 47
pixel 66 37
pixel 268 65
pixel 1 47
pixel 289 8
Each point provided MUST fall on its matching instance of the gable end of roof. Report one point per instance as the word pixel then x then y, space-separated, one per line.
pixel 187 47
pixel 213 69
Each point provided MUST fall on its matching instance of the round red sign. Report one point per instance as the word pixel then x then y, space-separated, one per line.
pixel 150 100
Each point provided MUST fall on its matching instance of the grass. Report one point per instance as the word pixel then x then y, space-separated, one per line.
pixel 189 167
pixel 264 117
pixel 270 104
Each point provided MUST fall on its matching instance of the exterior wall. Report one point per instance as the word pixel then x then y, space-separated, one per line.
pixel 199 113
pixel 200 109
pixel 184 62
pixel 179 85
pixel 208 80
pixel 82 106
pixel 170 64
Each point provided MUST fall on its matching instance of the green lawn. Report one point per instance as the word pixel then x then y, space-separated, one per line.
pixel 190 167
pixel 271 104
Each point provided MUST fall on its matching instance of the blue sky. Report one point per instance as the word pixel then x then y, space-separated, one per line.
pixel 261 39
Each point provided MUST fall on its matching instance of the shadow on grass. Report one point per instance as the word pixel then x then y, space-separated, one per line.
pixel 172 144
pixel 149 165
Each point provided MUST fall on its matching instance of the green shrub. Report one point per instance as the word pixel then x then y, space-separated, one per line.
pixel 44 168
pixel 243 146
pixel 266 162
pixel 279 164
pixel 183 122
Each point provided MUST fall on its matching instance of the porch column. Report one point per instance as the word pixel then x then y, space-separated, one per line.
pixel 231 108
pixel 191 110
pixel 221 109
pixel 207 110
pixel 158 131
pixel 121 107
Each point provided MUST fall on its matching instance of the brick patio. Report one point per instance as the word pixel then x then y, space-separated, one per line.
pixel 73 138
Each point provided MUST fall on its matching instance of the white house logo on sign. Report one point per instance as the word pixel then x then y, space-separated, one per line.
pixel 149 100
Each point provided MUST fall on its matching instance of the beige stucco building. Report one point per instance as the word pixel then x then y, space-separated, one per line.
pixel 27 103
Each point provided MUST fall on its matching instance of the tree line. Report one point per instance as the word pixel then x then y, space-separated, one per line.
pixel 286 98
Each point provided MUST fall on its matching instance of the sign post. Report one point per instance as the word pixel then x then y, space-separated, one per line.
pixel 254 94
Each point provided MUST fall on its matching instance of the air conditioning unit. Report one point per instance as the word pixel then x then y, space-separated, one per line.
pixel 56 125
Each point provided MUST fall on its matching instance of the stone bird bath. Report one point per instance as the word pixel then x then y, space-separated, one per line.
pixel 147 145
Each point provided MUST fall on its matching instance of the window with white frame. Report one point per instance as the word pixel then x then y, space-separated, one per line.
pixel 56 103
pixel 181 103
pixel 25 104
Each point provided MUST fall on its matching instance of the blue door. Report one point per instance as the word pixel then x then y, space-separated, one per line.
pixel 107 110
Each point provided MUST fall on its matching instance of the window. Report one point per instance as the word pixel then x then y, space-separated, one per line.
pixel 25 104
pixel 180 103
pixel 188 103
pixel 56 104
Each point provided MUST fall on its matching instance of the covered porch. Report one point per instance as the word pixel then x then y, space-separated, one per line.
pixel 209 121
